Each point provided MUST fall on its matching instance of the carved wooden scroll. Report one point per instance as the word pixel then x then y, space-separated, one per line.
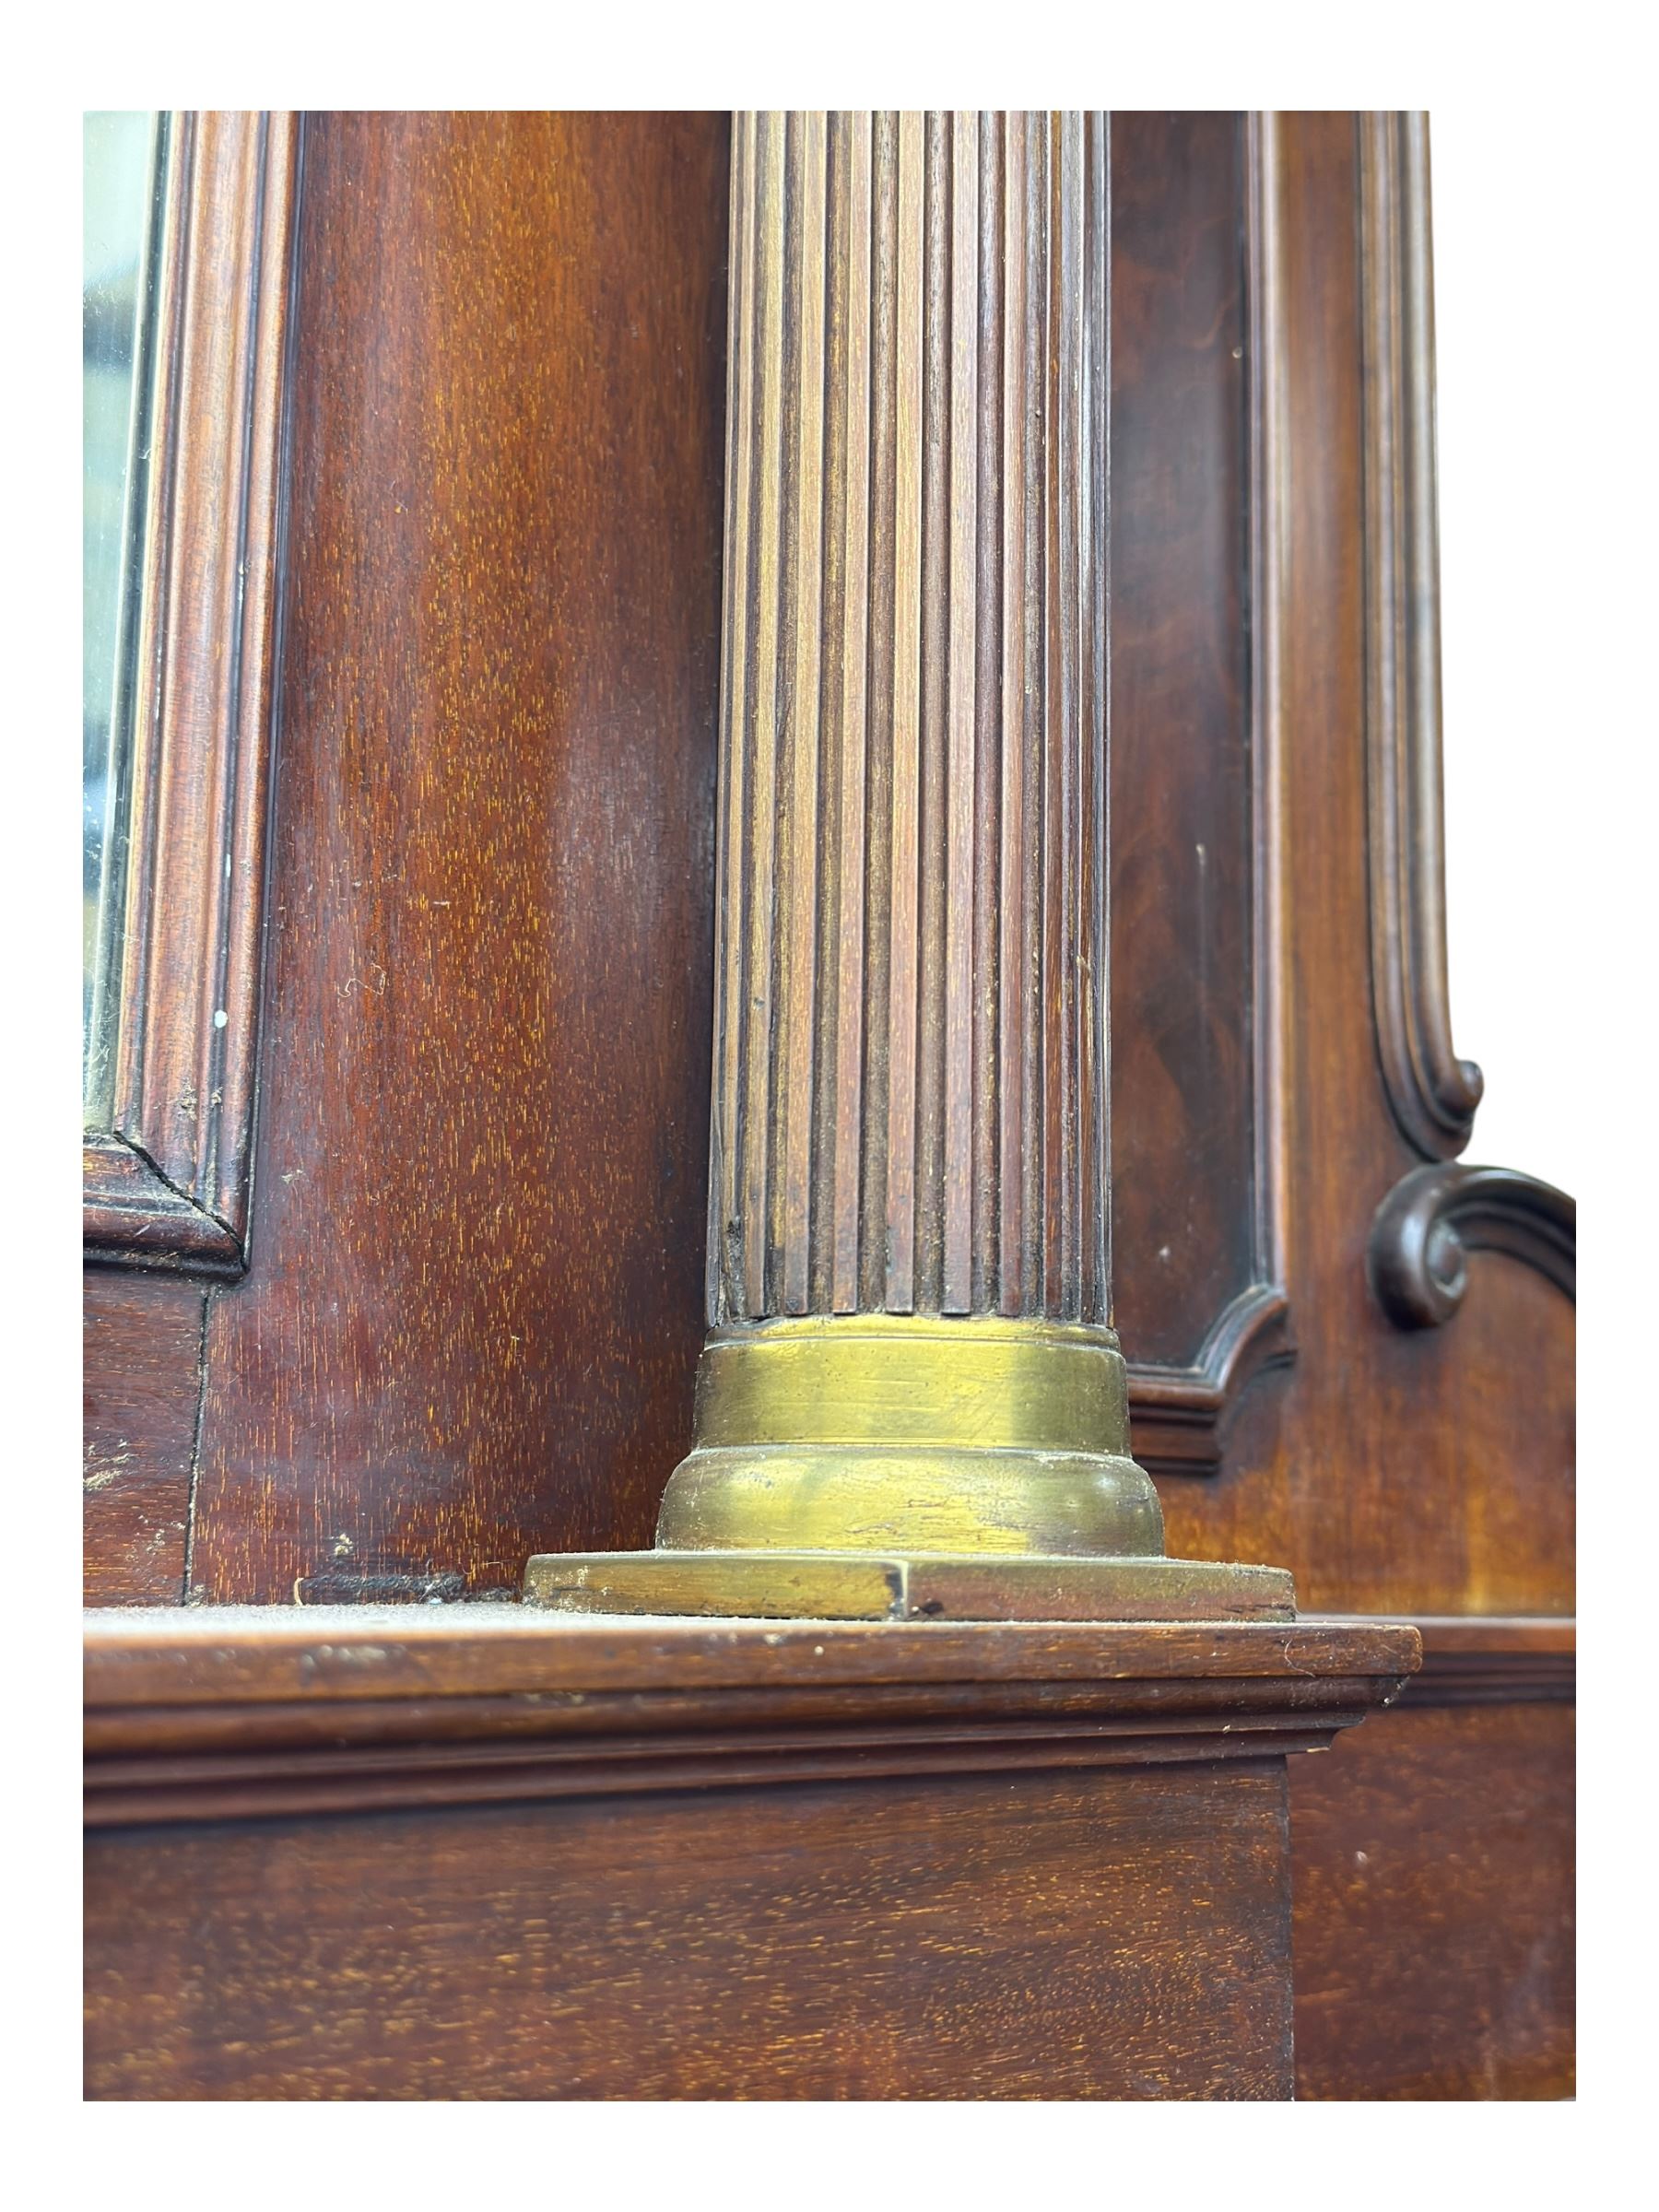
pixel 1420 1233
pixel 1437 1215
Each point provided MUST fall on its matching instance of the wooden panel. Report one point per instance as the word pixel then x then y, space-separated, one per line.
pixel 141 1382
pixel 1197 1284
pixel 473 1317
pixel 1434 1886
pixel 1121 1935
pixel 1428 1470
pixel 1181 811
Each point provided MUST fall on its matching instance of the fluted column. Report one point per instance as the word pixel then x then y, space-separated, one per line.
pixel 911 1400
pixel 909 1110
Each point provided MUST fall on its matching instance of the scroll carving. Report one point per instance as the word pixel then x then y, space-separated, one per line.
pixel 1437 1215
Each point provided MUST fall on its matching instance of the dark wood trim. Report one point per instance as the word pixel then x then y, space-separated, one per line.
pixel 242 1784
pixel 131 1215
pixel 1179 1415
pixel 169 1183
pixel 1434 1217
pixel 238 1712
pixel 1435 1214
pixel 911 1019
pixel 205 1654
pixel 1491 1659
pixel 1432 1092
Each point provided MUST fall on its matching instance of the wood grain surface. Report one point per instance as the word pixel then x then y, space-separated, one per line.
pixel 1181 732
pixel 1496 1659
pixel 477 1851
pixel 141 1385
pixel 1433 1882
pixel 1198 1166
pixel 1433 1094
pixel 1104 1935
pixel 1428 1471
pixel 469 1329
pixel 261 1653
pixel 237 1711
pixel 472 1332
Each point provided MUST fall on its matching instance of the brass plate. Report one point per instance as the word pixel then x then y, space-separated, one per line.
pixel 818 1586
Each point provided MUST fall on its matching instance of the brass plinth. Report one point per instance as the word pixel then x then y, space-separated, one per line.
pixel 880 1466
pixel 883 1432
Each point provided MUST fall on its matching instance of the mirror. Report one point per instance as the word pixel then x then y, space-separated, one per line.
pixel 124 160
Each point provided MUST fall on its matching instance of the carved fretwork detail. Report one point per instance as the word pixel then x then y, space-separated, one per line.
pixel 911 1081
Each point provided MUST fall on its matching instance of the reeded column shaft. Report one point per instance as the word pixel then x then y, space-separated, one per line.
pixel 910 1108
pixel 910 1404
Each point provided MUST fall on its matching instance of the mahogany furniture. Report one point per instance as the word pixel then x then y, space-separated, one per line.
pixel 471 1852
pixel 362 1823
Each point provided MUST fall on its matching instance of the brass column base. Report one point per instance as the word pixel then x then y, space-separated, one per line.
pixel 907 1467
pixel 853 1585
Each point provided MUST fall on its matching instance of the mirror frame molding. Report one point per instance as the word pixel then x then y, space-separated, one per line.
pixel 168 1183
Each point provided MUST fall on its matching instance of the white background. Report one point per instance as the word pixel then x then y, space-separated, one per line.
pixel 1523 606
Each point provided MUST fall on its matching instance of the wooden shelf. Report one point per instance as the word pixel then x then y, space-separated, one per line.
pixel 238 1711
pixel 671 1858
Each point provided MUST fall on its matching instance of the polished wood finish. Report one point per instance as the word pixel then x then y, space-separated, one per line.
pixel 1422 1471
pixel 1497 1659
pixel 289 1484
pixel 260 1652
pixel 1198 1174
pixel 473 1316
pixel 169 1183
pixel 1432 1092
pixel 142 1371
pixel 667 1859
pixel 470 1323
pixel 1436 1215
pixel 1433 1887
pixel 910 1081
pixel 1398 1465
pixel 842 1941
